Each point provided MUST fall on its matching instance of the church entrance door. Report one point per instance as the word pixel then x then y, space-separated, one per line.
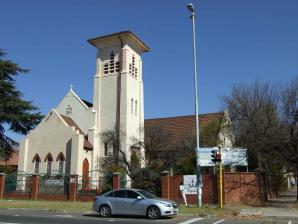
pixel 85 176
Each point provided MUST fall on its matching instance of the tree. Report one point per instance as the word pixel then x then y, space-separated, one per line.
pixel 264 119
pixel 15 112
pixel 157 158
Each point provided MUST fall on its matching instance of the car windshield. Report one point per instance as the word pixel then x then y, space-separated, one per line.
pixel 146 194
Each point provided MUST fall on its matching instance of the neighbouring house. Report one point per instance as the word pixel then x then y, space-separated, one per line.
pixel 10 165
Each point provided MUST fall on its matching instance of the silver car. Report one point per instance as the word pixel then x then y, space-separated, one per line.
pixel 133 202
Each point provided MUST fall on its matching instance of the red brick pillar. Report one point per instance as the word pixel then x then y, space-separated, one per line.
pixel 73 183
pixel 116 181
pixel 165 184
pixel 34 190
pixel 2 180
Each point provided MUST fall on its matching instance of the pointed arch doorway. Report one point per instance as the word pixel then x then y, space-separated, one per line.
pixel 85 174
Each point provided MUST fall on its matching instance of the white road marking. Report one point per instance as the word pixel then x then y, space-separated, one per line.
pixel 111 220
pixel 64 216
pixel 219 221
pixel 16 215
pixel 9 223
pixel 191 221
pixel 290 222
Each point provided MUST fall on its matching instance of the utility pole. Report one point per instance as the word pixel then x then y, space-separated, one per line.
pixel 198 165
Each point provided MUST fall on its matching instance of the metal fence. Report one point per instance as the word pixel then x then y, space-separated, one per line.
pixel 18 183
pixel 53 184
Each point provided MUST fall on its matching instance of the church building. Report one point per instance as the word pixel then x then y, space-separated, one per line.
pixel 68 140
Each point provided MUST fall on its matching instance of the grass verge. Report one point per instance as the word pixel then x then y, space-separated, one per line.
pixel 204 211
pixel 49 205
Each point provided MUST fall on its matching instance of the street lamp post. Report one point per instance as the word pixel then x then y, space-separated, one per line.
pixel 198 167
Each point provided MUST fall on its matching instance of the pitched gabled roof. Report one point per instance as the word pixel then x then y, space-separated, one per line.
pixel 70 122
pixel 88 104
pixel 180 128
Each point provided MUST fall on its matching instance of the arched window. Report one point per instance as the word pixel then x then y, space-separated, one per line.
pixel 136 107
pixel 131 105
pixel 49 161
pixel 36 161
pixel 61 161
pixel 106 149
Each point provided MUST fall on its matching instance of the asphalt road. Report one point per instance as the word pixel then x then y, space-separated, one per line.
pixel 11 216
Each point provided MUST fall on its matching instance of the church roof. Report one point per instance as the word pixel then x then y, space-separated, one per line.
pixel 88 104
pixel 70 122
pixel 180 128
pixel 127 32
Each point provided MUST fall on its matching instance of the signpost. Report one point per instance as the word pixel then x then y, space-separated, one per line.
pixel 54 182
pixel 229 156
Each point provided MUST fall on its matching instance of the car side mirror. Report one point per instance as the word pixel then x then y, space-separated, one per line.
pixel 139 198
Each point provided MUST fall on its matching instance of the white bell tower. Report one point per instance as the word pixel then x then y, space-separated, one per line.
pixel 118 88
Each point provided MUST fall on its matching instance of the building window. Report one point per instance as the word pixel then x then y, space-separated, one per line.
pixel 49 166
pixel 61 167
pixel 106 68
pixel 61 162
pixel 136 107
pixel 111 66
pixel 117 66
pixel 106 149
pixel 131 105
pixel 49 160
pixel 36 167
pixel 36 161
pixel 132 67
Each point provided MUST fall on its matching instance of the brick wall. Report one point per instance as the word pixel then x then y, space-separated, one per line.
pixel 209 189
pixel 237 188
pixel 243 188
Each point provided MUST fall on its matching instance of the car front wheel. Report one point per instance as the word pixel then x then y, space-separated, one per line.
pixel 153 212
pixel 105 211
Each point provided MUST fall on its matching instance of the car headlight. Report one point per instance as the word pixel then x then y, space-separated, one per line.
pixel 165 204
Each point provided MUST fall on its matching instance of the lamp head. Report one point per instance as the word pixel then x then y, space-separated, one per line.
pixel 190 7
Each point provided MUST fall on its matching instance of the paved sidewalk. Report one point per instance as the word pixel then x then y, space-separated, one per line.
pixel 283 206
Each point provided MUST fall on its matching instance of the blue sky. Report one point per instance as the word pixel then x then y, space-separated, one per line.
pixel 237 41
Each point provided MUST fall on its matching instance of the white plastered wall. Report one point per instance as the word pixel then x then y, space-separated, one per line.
pixel 53 136
pixel 80 113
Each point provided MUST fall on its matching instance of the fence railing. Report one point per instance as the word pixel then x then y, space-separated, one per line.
pixel 53 187
pixel 53 184
pixel 15 183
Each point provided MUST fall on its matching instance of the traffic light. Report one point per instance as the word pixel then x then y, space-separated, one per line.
pixel 213 156
pixel 218 157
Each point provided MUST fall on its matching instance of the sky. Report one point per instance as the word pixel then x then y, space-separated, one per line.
pixel 237 42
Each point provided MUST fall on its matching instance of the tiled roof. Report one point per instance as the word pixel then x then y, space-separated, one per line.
pixel 13 160
pixel 70 122
pixel 181 127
